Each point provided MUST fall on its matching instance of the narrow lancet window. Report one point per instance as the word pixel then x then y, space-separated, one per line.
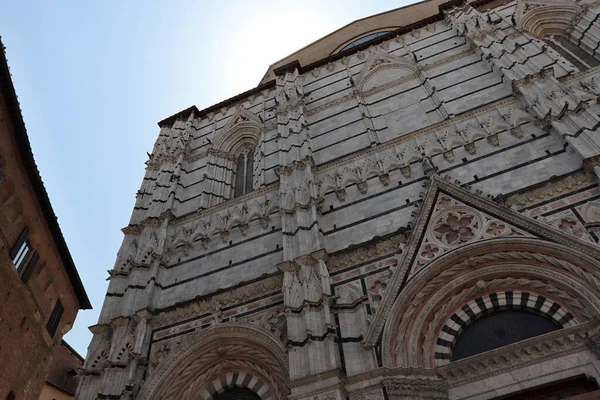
pixel 244 173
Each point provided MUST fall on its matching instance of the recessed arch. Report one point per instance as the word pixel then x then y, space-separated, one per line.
pixel 399 70
pixel 234 141
pixel 494 304
pixel 545 18
pixel 219 357
pixel 241 131
pixel 444 286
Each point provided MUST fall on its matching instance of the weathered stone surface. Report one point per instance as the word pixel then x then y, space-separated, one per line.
pixel 409 183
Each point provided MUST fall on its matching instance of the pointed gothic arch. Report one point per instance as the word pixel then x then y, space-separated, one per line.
pixel 545 270
pixel 233 157
pixel 231 355
pixel 242 130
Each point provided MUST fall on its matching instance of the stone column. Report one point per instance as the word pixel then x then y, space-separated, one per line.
pixel 312 346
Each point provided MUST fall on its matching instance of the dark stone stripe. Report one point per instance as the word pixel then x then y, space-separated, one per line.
pixel 553 309
pixel 246 380
pixel 495 301
pixel 449 330
pixel 509 298
pixel 468 311
pixel 539 302
pixel 481 305
pixel 566 319
pixel 524 299
pixel 458 320
pixel 352 339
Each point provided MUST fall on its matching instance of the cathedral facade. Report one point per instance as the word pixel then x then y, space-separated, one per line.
pixel 408 208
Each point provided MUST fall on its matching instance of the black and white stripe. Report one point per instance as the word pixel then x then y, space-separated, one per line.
pixel 481 306
pixel 238 379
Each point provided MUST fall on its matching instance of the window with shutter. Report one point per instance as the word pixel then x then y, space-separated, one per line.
pixel 28 272
pixel 21 249
pixel 54 319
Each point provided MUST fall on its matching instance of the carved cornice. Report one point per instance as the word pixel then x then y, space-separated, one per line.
pixel 366 252
pixel 518 355
pixel 550 190
pixel 295 165
pixel 310 380
pixel 410 136
pixel 489 364
pixel 579 75
pixel 226 299
pixel 416 387
pixel 132 230
pixel 226 204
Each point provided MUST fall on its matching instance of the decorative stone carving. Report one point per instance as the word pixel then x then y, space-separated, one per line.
pixel 187 370
pixel 456 227
pixel 517 355
pixel 435 200
pixel 416 388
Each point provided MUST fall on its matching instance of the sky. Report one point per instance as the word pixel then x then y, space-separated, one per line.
pixel 94 77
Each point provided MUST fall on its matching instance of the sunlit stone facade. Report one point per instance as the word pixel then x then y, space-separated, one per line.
pixel 417 219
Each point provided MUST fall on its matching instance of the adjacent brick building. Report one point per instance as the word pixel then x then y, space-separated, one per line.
pixel 40 290
pixel 61 381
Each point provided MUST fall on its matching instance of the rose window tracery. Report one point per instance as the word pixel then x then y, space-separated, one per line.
pixel 456 227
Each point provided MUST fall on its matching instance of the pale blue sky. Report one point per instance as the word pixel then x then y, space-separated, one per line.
pixel 94 77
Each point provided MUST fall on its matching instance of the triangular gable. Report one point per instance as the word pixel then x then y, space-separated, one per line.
pixel 379 60
pixel 242 116
pixel 450 218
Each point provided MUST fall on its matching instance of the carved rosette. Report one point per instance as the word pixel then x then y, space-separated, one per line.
pixel 455 224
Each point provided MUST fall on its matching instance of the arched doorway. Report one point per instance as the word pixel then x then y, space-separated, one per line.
pixel 225 362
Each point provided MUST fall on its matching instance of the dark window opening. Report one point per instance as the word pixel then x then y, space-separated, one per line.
pixel 28 272
pixel 498 330
pixel 236 394
pixel 54 319
pixel 364 39
pixel 244 173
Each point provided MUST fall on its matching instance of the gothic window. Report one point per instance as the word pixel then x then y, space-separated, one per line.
pixel 500 329
pixel 236 394
pixel 244 172
pixel 571 52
